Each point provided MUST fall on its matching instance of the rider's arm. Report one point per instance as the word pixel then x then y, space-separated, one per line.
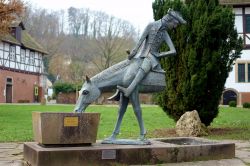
pixel 172 50
pixel 139 43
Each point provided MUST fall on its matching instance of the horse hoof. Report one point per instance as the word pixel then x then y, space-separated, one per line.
pixel 111 138
pixel 142 138
pixel 77 111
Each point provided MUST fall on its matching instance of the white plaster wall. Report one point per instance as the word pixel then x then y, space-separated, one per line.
pixel 245 56
pixel 231 80
pixel 18 64
pixel 1 53
pixel 1 45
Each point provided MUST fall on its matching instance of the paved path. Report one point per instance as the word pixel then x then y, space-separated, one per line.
pixel 11 154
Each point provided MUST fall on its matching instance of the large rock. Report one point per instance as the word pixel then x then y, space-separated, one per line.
pixel 189 125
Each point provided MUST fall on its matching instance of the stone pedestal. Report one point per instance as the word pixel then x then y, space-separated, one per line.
pixel 52 128
pixel 170 150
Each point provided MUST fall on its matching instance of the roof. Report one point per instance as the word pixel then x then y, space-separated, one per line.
pixel 235 2
pixel 26 40
pixel 10 39
pixel 29 42
pixel 17 23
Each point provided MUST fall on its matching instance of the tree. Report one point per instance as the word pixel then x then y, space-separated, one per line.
pixel 58 66
pixel 206 50
pixel 47 28
pixel 66 69
pixel 74 18
pixel 76 71
pixel 112 39
pixel 88 39
pixel 9 10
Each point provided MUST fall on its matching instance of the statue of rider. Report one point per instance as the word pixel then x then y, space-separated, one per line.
pixel 150 42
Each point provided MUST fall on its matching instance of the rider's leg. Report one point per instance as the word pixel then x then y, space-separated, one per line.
pixel 143 70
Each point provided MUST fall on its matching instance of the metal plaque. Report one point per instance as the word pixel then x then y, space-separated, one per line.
pixel 108 154
pixel 70 121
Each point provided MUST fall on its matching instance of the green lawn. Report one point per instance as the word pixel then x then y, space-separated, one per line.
pixel 16 125
pixel 231 123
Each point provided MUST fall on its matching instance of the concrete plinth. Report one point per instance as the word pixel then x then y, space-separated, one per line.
pixel 65 128
pixel 160 151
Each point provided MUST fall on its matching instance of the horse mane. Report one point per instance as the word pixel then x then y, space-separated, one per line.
pixel 107 73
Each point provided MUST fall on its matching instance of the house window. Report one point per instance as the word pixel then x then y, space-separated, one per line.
pixel 32 60
pixel 247 19
pixel 9 80
pixel 12 53
pixel 22 58
pixel 241 72
pixel 242 24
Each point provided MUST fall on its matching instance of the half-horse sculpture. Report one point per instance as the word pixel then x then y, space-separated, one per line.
pixel 121 74
pixel 140 73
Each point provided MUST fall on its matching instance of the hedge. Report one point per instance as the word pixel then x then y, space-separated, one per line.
pixel 65 87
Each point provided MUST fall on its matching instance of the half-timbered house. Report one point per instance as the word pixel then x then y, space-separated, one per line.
pixel 237 87
pixel 22 76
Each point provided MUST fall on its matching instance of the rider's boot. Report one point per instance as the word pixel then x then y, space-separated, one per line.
pixel 139 76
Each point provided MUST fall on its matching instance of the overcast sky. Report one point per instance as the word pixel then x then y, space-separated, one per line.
pixel 138 12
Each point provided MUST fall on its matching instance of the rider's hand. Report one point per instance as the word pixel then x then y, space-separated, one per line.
pixel 132 54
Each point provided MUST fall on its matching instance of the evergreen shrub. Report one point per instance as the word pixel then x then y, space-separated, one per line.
pixel 195 77
pixel 246 105
pixel 232 104
pixel 65 87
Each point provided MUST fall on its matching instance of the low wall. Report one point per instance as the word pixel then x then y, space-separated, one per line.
pixel 103 99
pixel 245 97
pixel 70 98
pixel 66 98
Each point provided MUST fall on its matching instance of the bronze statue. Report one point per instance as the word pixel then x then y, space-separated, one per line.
pixel 141 72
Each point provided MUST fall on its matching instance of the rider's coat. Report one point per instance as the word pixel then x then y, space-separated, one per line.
pixel 153 36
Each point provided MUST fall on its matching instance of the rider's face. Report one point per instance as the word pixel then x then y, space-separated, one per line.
pixel 172 24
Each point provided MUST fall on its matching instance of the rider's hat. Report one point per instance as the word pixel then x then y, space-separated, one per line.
pixel 175 15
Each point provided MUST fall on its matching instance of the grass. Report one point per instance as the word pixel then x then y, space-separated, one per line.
pixel 16 124
pixel 231 123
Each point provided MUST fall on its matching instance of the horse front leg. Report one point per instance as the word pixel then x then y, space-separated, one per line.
pixel 134 98
pixel 122 109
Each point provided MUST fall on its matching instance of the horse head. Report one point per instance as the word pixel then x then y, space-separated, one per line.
pixel 89 93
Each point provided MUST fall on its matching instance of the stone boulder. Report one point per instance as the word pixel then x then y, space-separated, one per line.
pixel 189 125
